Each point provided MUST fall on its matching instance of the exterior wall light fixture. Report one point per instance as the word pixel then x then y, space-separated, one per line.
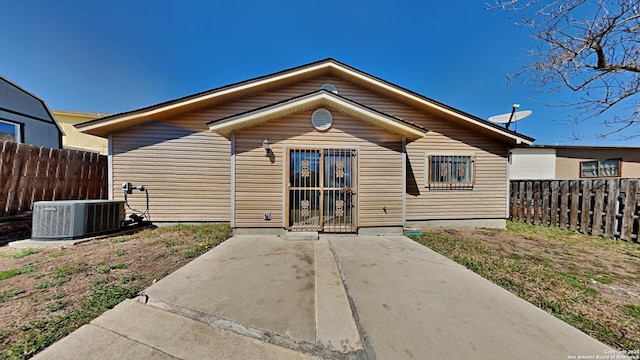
pixel 267 149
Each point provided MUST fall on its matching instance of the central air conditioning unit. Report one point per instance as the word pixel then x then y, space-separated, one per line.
pixel 72 219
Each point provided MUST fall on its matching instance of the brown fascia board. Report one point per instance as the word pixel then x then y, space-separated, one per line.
pixel 416 126
pixel 200 94
pixel 437 103
pixel 327 60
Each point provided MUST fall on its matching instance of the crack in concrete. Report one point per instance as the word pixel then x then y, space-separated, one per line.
pixel 266 336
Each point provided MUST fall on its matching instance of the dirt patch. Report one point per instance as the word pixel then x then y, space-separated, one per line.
pixel 42 284
pixel 592 283
pixel 15 228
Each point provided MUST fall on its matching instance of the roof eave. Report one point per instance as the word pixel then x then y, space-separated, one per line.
pixel 227 125
pixel 103 126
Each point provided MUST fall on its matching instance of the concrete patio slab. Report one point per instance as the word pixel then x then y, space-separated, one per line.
pixel 341 297
pixel 335 327
pixel 133 330
pixel 416 304
pixel 265 282
pixel 92 342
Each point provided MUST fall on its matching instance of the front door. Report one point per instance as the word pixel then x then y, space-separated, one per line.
pixel 322 189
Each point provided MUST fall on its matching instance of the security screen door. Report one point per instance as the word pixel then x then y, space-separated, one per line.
pixel 322 188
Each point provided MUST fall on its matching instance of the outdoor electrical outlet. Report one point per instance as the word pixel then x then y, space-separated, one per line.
pixel 267 215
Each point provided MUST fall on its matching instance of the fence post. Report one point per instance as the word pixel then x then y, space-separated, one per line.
pixel 555 187
pixel 574 187
pixel 529 201
pixel 610 227
pixel 630 189
pixel 6 174
pixel 599 188
pixel 545 203
pixel 521 200
pixel 564 204
pixel 536 203
pixel 585 214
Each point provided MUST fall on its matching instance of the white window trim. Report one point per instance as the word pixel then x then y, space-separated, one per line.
pixel 18 129
pixel 449 153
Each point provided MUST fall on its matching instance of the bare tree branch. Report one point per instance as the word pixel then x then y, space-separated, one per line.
pixel 590 48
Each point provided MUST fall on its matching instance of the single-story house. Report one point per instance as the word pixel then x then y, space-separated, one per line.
pixel 25 118
pixel 547 162
pixel 321 147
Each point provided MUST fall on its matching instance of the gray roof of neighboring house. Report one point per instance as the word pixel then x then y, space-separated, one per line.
pixel 18 101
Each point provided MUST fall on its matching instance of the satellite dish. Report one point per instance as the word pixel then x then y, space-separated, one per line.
pixel 511 117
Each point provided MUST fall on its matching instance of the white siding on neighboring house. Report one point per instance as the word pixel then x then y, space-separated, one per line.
pixel 532 164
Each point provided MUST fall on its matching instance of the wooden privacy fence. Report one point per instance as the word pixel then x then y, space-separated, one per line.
pixel 32 173
pixel 593 206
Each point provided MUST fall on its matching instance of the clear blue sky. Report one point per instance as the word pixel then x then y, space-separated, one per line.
pixel 115 56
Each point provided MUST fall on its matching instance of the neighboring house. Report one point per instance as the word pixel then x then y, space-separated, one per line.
pixel 323 147
pixel 25 118
pixel 574 162
pixel 74 139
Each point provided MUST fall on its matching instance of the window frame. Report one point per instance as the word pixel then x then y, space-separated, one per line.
pixel 598 167
pixel 449 185
pixel 19 130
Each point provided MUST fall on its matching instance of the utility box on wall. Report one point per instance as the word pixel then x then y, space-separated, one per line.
pixel 72 219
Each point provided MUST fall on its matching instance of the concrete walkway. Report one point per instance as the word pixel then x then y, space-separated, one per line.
pixel 341 297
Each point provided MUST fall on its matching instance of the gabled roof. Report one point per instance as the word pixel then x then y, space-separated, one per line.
pixel 106 125
pixel 17 100
pixel 312 100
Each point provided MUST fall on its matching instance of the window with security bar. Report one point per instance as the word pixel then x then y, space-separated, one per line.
pixel 450 172
pixel 602 168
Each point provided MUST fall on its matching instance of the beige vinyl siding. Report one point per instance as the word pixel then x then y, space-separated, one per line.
pixel 568 161
pixel 259 182
pixel 184 150
pixel 486 200
pixel 185 167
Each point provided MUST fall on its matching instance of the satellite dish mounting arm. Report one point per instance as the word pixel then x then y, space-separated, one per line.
pixel 513 112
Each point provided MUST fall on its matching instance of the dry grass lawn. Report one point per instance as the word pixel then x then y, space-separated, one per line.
pixel 47 293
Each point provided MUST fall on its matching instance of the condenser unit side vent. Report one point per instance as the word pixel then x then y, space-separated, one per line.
pixel 72 219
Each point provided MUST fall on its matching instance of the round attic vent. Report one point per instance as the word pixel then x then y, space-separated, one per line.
pixel 329 87
pixel 321 119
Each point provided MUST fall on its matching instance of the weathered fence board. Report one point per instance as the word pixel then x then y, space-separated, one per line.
pixel 34 173
pixel 608 207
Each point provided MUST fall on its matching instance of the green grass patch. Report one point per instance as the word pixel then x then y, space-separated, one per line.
pixel 68 270
pixel 9 273
pixel 25 269
pixel 539 231
pixel 100 281
pixel 57 296
pixel 120 252
pixel 42 333
pixel 106 268
pixel 57 306
pixel 130 278
pixel 603 280
pixel 118 239
pixel 196 251
pixel 20 253
pixel 9 294
pixel 633 310
pixel 53 283
pixel 59 253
